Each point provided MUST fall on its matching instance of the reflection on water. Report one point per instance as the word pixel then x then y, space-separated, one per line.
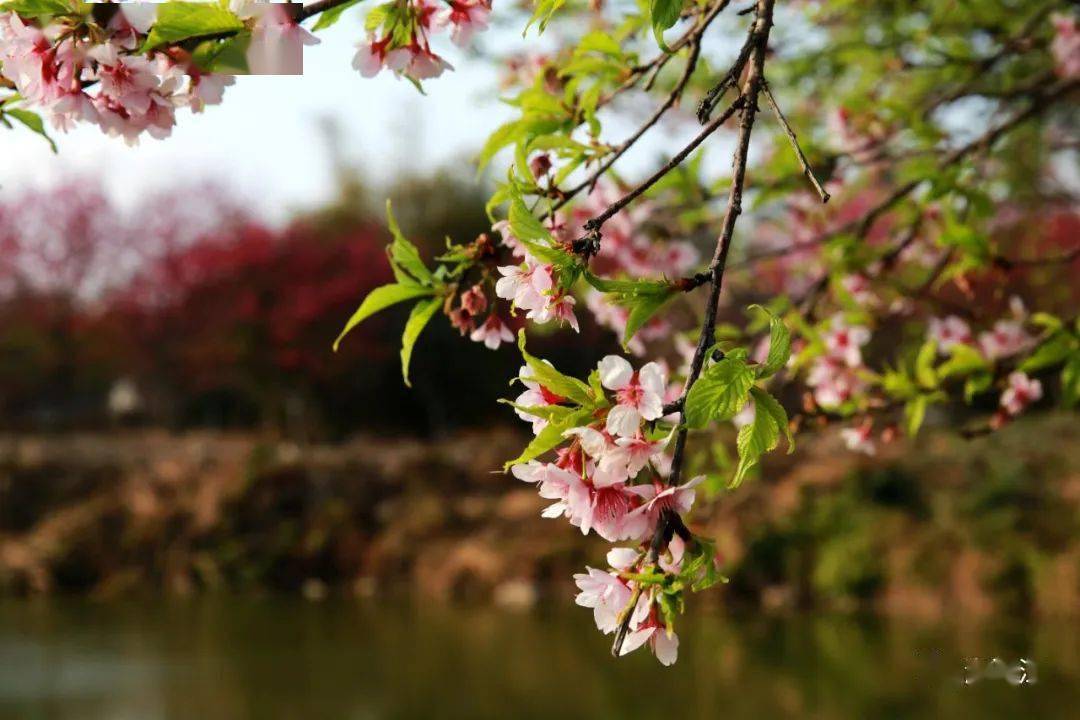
pixel 279 658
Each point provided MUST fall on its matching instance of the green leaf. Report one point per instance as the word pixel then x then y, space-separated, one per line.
pixel 379 299
pixel 643 298
pixel 177 21
pixel 403 254
pixel 763 399
pixel 524 225
pixel 963 360
pixel 914 413
pixel 924 365
pixel 421 314
pixel 39 8
pixel 779 345
pixel 978 383
pixel 754 440
pixel 1052 352
pixel 330 17
pixel 663 14
pixel 720 392
pixel 550 437
pixel 562 385
pixel 1070 381
pixel 31 120
pixel 543 12
pixel 223 56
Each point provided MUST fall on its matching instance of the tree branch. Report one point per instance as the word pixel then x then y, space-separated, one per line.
pixel 794 142
pixel 747 103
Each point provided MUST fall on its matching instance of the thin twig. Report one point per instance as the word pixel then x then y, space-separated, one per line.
pixel 807 171
pixel 597 222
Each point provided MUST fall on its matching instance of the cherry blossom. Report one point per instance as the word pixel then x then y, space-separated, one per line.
pixel 464 18
pixel 606 594
pixel 1066 45
pixel 1021 392
pixel 639 395
pixel 1006 339
pixel 662 640
pixel 949 332
pixel 860 438
pixel 492 333
pixel 659 497
pixel 535 395
pixel 843 341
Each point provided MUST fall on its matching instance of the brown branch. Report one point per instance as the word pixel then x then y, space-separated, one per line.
pixel 672 98
pixel 669 521
pixel 809 173
pixel 693 38
pixel 312 9
pixel 597 222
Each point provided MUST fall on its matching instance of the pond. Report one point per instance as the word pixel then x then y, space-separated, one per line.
pixel 287 658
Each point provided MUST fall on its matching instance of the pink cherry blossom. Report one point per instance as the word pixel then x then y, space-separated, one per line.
pixel 860 438
pixel 464 18
pixel 1006 339
pixel 662 640
pixel 1021 392
pixel 535 395
pixel 844 341
pixel 492 333
pixel 370 56
pixel 524 285
pixel 606 594
pixel 658 497
pixel 638 395
pixel 860 288
pixel 949 332
pixel 277 41
pixel 834 383
pixel 1066 45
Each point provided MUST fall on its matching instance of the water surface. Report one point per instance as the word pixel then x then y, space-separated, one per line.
pixel 283 658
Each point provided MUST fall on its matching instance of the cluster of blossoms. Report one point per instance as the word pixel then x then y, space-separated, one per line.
pixel 77 70
pixel 492 332
pixel 533 286
pixel 404 48
pixel 1006 339
pixel 609 477
pixel 835 376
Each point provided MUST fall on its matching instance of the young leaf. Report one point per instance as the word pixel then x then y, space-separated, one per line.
pixel 914 413
pixel 924 365
pixel 720 392
pixel 765 401
pixel 379 299
pixel 1070 381
pixel 754 440
pixel 1055 350
pixel 33 121
pixel 562 385
pixel 963 360
pixel 662 15
pixel 551 436
pixel 421 314
pixel 38 8
pixel 178 21
pixel 779 345
pixel 403 254
pixel 524 225
pixel 330 17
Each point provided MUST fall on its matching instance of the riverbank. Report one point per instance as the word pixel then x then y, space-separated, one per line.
pixel 985 526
